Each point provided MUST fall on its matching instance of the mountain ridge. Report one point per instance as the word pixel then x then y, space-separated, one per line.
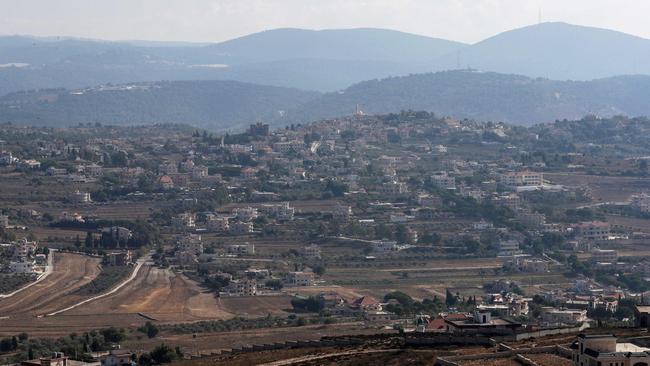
pixel 224 105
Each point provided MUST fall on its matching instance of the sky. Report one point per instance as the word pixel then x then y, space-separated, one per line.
pixel 218 20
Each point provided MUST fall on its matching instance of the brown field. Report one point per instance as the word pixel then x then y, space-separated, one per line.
pixel 636 224
pixel 160 294
pixel 604 189
pixel 212 342
pixel 17 188
pixel 71 271
pixel 545 359
pixel 155 293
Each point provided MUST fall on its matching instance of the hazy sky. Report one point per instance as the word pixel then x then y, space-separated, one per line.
pixel 217 20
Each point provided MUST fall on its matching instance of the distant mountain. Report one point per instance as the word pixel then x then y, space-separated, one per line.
pixel 335 44
pixel 556 51
pixel 222 105
pixel 213 104
pixel 317 60
pixel 487 96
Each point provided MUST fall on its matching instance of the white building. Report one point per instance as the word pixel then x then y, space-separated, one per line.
pixel 22 267
pixel 245 213
pixel 218 223
pixel 604 256
pixel 567 316
pixel 640 202
pixel 604 350
pixel 240 228
pixel 508 248
pixel 443 181
pixel 281 211
pixel 199 172
pixel 81 197
pixel 168 168
pixel 4 221
pixel 184 220
pixel 299 279
pixel 312 251
pixel 526 178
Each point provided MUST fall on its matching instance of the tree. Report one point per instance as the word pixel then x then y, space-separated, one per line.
pixel 319 270
pixel 150 329
pixel 401 298
pixel 145 359
pixel 89 242
pixel 450 299
pixel 113 335
pixel 163 354
pixel 274 284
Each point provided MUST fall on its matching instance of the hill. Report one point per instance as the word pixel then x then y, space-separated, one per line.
pixel 214 104
pixel 488 96
pixel 317 60
pixel 222 105
pixel 557 51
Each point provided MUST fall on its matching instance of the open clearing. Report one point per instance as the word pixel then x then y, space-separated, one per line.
pixel 71 271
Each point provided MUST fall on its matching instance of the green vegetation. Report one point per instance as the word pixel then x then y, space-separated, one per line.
pixel 407 306
pixel 73 344
pixel 150 329
pixel 10 283
pixel 107 278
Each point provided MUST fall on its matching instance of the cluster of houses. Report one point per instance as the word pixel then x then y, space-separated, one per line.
pixel 21 257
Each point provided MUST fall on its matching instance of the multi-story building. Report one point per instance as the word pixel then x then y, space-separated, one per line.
pixel 199 172
pixel 552 315
pixel 594 230
pixel 4 221
pixel 244 287
pixel 604 256
pixel 93 170
pixel 640 202
pixel 81 197
pixel 218 223
pixel 526 178
pixel 240 228
pixel 22 266
pixel 508 248
pixel 190 243
pixel 604 350
pixel 245 213
pixel 168 168
pixel 299 279
pixel 443 181
pixel 281 211
pixel 184 220
pixel 392 188
pixel 241 249
pixel 312 251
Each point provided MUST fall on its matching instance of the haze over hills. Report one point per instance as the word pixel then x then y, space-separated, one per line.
pixel 213 104
pixel 489 96
pixel 317 60
pixel 557 51
pixel 325 60
pixel 220 105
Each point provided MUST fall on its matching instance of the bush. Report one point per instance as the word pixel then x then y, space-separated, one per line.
pixel 150 329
